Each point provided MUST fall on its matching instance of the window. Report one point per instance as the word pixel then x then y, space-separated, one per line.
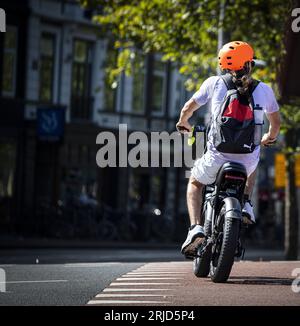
pixel 110 89
pixel 139 189
pixel 158 86
pixel 81 100
pixel 7 178
pixel 47 60
pixel 157 189
pixel 9 62
pixel 138 84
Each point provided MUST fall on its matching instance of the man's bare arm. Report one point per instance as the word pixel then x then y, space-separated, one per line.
pixel 186 112
pixel 274 128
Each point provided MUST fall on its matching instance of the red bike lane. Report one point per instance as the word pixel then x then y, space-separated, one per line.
pixel 272 283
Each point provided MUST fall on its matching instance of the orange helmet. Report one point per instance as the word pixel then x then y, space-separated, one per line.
pixel 234 55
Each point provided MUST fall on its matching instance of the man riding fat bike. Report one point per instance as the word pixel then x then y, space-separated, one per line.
pixel 225 142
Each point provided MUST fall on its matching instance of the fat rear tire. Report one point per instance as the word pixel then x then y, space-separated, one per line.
pixel 220 272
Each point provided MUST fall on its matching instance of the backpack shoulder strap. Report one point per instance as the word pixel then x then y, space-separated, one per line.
pixel 253 86
pixel 227 79
pixel 251 90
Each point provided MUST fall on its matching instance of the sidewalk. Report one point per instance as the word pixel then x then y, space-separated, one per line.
pixel 30 243
pixel 14 244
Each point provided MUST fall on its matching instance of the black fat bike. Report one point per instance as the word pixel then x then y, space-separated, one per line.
pixel 222 212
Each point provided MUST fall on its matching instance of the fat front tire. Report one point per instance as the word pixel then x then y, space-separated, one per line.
pixel 221 266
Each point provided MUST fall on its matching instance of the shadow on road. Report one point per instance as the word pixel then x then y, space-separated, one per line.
pixel 259 280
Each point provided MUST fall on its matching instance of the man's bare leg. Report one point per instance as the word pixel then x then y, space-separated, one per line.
pixel 250 183
pixel 196 232
pixel 194 201
pixel 248 208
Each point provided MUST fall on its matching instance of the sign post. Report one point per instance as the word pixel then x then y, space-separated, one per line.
pixel 280 173
pixel 50 123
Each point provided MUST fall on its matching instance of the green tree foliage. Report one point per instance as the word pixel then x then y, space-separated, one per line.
pixel 186 31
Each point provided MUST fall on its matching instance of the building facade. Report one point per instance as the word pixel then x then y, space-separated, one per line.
pixel 12 125
pixel 54 60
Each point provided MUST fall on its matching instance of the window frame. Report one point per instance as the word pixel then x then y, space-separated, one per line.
pixel 11 94
pixel 144 78
pixel 87 87
pixel 54 40
pixel 114 91
pixel 162 74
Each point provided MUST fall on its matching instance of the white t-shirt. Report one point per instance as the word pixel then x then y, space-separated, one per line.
pixel 213 89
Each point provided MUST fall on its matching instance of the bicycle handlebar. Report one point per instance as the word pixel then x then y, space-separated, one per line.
pixel 195 129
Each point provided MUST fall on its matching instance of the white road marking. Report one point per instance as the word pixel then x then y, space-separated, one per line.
pixel 132 290
pixel 155 273
pixel 284 262
pixel 150 272
pixel 147 278
pixel 97 302
pixel 133 284
pixel 152 275
pixel 163 267
pixel 164 270
pixel 140 283
pixel 106 295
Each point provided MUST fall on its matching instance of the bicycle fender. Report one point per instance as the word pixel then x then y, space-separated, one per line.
pixel 232 208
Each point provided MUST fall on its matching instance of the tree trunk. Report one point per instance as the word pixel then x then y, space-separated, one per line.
pixel 291 207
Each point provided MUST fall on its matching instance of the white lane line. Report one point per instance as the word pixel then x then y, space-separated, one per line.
pixel 42 281
pixel 168 276
pixel 132 290
pixel 154 273
pixel 160 266
pixel 284 262
pixel 171 268
pixel 163 266
pixel 168 270
pixel 106 295
pixel 147 278
pixel 97 302
pixel 141 283
pixel 158 271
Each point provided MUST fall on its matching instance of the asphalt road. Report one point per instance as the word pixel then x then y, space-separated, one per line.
pixel 67 277
pixel 140 277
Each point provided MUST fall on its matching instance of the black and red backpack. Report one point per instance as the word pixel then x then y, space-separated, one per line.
pixel 234 124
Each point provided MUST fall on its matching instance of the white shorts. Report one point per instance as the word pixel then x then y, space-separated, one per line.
pixel 206 168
